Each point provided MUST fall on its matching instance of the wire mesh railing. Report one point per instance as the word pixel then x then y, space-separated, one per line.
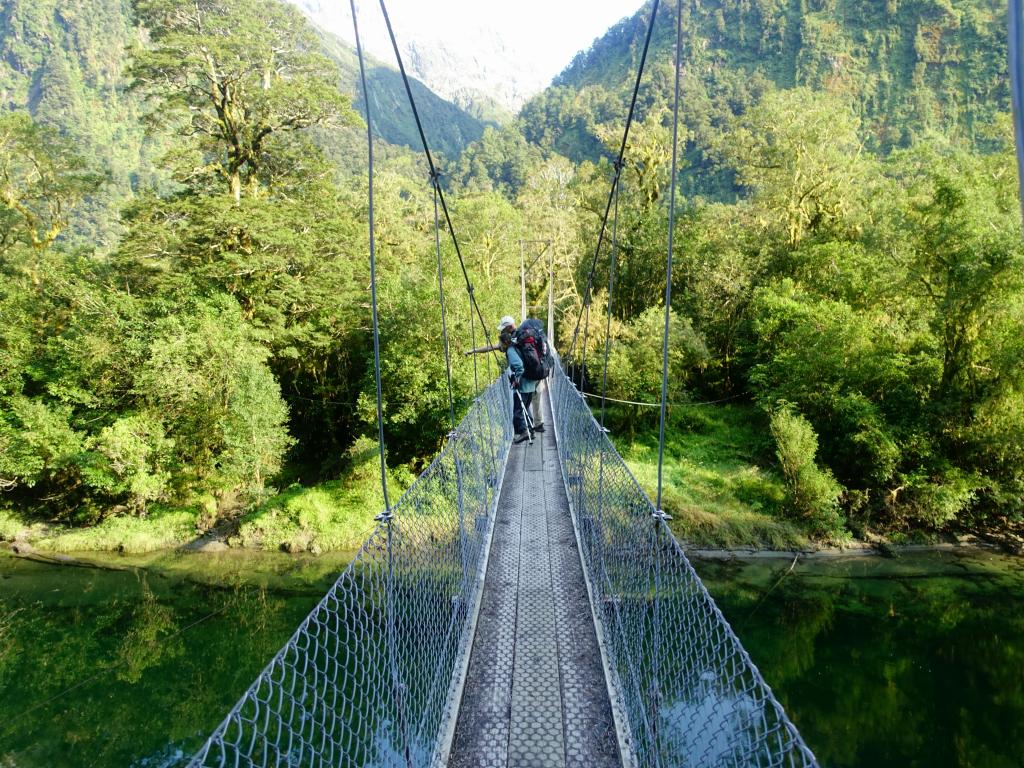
pixel 690 693
pixel 365 679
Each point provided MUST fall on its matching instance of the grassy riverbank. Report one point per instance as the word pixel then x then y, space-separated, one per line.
pixel 720 484
pixel 718 481
pixel 329 517
pixel 723 488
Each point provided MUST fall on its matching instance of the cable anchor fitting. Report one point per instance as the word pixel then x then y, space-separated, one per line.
pixel 661 514
pixel 385 516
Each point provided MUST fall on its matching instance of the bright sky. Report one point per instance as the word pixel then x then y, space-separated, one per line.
pixel 550 32
pixel 544 34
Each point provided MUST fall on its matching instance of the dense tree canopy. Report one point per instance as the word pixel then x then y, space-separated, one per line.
pixel 234 76
pixel 42 179
pixel 854 278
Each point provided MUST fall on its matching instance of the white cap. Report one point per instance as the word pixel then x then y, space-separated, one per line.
pixel 506 321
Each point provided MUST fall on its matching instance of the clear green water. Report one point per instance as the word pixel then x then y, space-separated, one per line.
pixel 914 661
pixel 134 667
pixel 917 661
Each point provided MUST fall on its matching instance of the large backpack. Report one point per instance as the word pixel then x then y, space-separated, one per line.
pixel 533 348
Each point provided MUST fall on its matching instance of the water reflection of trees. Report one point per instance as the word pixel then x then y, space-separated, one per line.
pixel 107 669
pixel 904 669
pixel 7 637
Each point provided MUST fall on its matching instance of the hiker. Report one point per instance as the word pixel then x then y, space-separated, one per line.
pixel 531 355
pixel 526 386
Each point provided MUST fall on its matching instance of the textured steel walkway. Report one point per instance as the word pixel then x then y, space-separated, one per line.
pixel 535 694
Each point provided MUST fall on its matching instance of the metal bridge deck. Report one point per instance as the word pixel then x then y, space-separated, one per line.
pixel 535 694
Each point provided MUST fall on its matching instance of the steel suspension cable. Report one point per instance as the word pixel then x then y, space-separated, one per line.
pixel 618 169
pixel 386 517
pixel 373 262
pixel 435 178
pixel 583 350
pixel 668 263
pixel 1016 63
pixel 612 266
pixel 439 197
pixel 444 318
pixel 433 171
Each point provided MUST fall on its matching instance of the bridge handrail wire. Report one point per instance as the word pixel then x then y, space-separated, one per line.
pixel 326 698
pixel 691 694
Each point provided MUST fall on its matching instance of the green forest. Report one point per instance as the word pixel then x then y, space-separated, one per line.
pixel 185 330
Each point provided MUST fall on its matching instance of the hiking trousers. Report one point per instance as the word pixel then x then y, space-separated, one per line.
pixel 538 412
pixel 518 417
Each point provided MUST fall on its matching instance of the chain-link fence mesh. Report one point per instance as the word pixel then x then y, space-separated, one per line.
pixel 691 694
pixel 365 679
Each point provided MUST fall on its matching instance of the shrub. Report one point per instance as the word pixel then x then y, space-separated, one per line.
pixel 813 492
pixel 937 498
pixel 334 516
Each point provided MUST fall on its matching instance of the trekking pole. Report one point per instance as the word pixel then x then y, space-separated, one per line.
pixel 529 416
pixel 526 413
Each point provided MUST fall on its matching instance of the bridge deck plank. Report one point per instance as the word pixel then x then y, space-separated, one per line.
pixel 535 694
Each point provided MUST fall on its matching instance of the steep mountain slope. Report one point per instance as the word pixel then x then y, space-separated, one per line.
pixel 477 81
pixel 63 61
pixel 908 66
pixel 449 129
pixel 483 76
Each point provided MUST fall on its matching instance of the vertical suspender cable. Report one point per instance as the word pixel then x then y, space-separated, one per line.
pixel 1016 63
pixel 612 266
pixel 373 261
pixel 660 517
pixel 453 435
pixel 392 650
pixel 472 342
pixel 671 233
pixel 597 526
pixel 583 350
pixel 444 317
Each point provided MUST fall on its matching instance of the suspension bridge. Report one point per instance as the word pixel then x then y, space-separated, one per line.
pixel 520 605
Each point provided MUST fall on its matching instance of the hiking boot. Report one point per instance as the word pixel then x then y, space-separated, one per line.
pixel 521 437
pixel 538 428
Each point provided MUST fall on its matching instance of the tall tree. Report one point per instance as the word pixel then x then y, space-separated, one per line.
pixel 964 257
pixel 232 74
pixel 800 155
pixel 42 178
pixel 547 203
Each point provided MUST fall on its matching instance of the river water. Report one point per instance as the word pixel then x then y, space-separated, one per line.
pixel 912 661
pixel 135 666
pixel 915 661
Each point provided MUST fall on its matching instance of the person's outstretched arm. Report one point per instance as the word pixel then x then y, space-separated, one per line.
pixel 478 350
